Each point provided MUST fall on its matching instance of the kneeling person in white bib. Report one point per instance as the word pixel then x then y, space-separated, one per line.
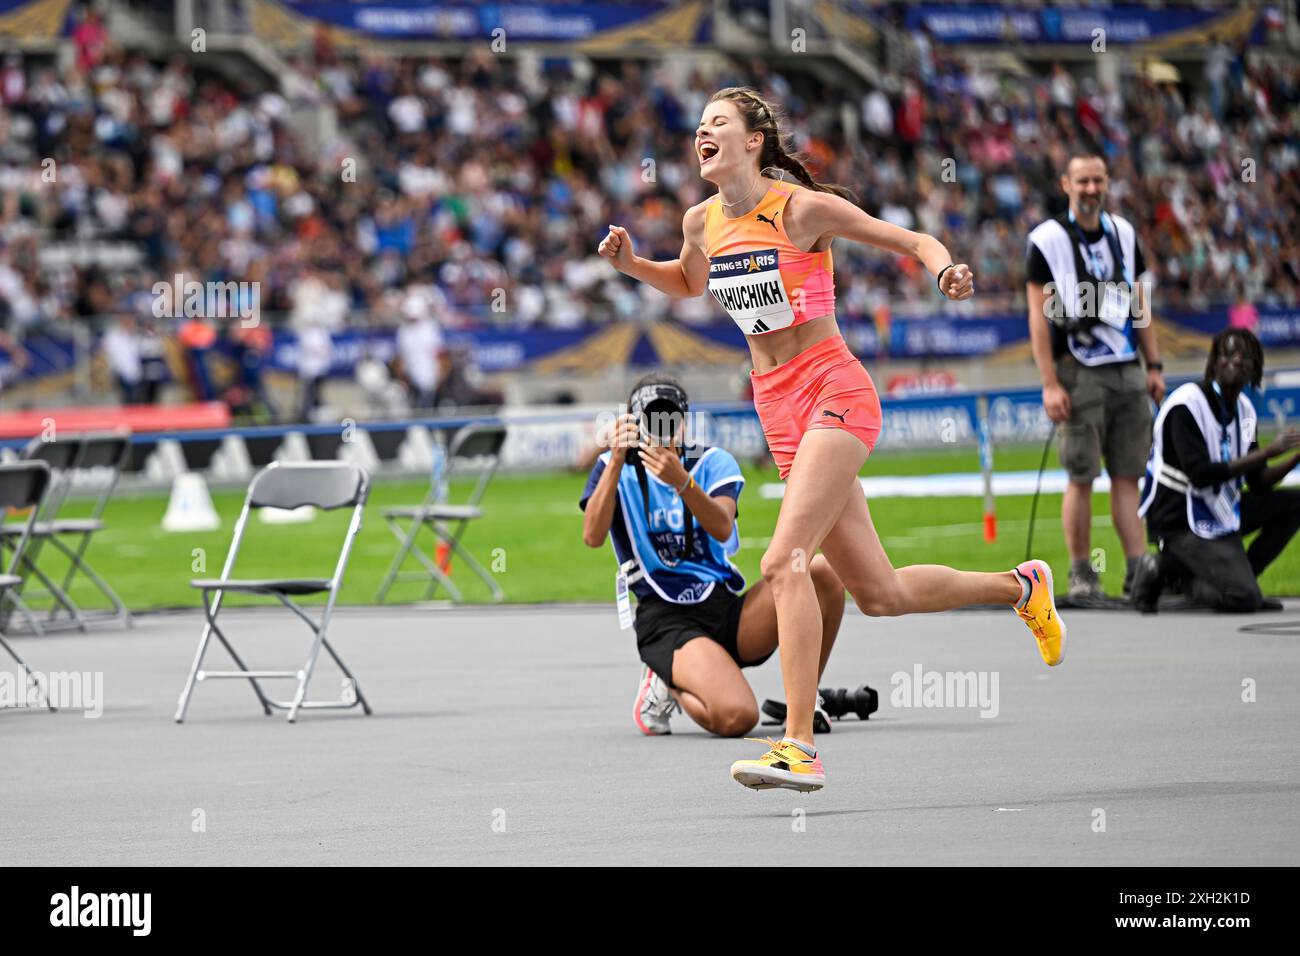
pixel 1208 485
pixel 669 510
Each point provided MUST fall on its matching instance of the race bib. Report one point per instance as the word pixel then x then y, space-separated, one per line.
pixel 748 285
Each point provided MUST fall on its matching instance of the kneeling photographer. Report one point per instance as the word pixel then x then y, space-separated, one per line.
pixel 1209 485
pixel 670 511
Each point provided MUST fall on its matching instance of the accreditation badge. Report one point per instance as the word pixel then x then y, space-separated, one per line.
pixel 1115 304
pixel 623 600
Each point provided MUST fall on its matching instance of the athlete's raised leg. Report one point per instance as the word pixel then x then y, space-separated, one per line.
pixel 824 507
pixel 854 550
pixel 881 590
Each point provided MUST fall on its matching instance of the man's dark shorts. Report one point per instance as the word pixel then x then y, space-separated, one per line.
pixel 1110 417
pixel 662 627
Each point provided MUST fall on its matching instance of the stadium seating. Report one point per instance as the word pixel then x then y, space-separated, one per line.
pixel 459 185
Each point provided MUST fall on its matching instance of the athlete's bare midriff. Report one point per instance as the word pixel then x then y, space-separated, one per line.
pixel 776 348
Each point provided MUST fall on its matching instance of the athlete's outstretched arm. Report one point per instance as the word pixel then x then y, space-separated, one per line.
pixel 684 277
pixel 836 216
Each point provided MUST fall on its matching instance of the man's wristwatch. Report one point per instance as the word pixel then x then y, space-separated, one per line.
pixel 1155 366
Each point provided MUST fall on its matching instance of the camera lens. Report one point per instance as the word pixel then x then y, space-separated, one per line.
pixel 661 420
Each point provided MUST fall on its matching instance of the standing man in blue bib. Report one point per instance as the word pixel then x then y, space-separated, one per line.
pixel 670 510
pixel 1208 484
pixel 1089 320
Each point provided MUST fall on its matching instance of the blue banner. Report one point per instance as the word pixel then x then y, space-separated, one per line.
pixel 1121 24
pixel 577 350
pixel 1277 328
pixel 492 350
pixel 944 337
pixel 648 20
pixel 506 350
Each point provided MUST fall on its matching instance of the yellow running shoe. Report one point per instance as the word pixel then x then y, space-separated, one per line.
pixel 785 766
pixel 1038 611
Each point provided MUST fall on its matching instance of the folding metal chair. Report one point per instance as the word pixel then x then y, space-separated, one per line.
pixel 474 449
pixel 326 485
pixel 60 456
pixel 98 465
pixel 22 486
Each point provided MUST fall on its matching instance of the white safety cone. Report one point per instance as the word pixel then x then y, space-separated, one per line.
pixel 190 507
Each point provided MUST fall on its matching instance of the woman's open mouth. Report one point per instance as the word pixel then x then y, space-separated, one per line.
pixel 707 151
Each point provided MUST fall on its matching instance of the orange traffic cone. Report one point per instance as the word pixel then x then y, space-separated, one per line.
pixel 443 557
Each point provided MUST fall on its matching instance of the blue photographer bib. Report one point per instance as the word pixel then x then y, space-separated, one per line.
pixel 653 539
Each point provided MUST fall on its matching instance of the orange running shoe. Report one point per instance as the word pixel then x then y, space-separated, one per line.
pixel 1038 611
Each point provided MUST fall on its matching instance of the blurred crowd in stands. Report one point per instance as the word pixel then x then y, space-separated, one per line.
pixel 475 191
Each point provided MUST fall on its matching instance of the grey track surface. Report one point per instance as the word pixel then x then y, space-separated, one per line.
pixel 523 715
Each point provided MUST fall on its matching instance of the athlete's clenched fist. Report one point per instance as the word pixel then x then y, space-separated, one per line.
pixel 617 248
pixel 958 282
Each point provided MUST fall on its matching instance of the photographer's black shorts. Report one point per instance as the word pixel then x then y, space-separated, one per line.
pixel 662 627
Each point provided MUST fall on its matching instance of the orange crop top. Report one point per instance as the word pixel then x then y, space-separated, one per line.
pixel 763 280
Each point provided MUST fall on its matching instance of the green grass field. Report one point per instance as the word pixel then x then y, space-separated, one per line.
pixel 535 522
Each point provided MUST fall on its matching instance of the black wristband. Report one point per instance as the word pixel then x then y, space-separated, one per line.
pixel 938 280
pixel 1155 366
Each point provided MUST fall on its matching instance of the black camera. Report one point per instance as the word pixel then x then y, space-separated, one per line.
pixel 1085 318
pixel 660 410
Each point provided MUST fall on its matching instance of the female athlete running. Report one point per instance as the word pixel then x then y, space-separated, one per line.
pixel 763 248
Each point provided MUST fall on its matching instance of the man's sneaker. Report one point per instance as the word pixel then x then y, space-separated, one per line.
pixel 1085 586
pixel 1038 611
pixel 1147 583
pixel 654 704
pixel 785 766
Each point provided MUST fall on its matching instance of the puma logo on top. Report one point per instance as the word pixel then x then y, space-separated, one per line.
pixel 771 222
